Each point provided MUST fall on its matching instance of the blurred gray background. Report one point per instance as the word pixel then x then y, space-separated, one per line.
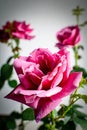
pixel 46 17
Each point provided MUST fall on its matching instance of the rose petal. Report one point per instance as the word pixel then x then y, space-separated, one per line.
pixel 45 106
pixel 26 83
pixel 40 93
pixel 70 85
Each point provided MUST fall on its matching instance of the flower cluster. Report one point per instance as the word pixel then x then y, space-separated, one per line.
pixel 46 78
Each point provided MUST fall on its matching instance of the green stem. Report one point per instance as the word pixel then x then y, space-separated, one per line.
pixel 77 19
pixel 21 126
pixel 75 49
pixel 52 121
pixel 52 117
pixel 14 44
pixel 9 59
pixel 65 112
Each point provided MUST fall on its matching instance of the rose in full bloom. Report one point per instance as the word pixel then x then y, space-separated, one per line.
pixel 18 29
pixel 45 79
pixel 68 36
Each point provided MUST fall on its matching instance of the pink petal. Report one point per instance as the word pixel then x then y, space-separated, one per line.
pixel 71 39
pixel 70 85
pixel 15 96
pixel 32 101
pixel 34 78
pixel 45 55
pixel 40 93
pixel 21 65
pixel 26 83
pixel 45 106
pixel 18 35
pixel 29 37
pixel 68 59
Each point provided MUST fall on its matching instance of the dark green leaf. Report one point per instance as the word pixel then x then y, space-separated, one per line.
pixel 6 71
pixel 42 127
pixel 12 83
pixel 84 97
pixel 80 69
pixel 46 127
pixel 11 124
pixel 67 119
pixel 75 106
pixel 69 126
pixel 46 119
pixel 80 114
pixel 16 115
pixel 83 24
pixel 1 82
pixel 59 124
pixel 82 122
pixel 28 114
pixel 3 123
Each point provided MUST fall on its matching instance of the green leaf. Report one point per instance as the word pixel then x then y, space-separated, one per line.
pixel 80 114
pixel 46 119
pixel 42 127
pixel 12 83
pixel 3 124
pixel 67 118
pixel 28 114
pixel 6 71
pixel 75 106
pixel 46 127
pixel 16 115
pixel 69 126
pixel 83 24
pixel 11 124
pixel 82 122
pixel 1 82
pixel 84 97
pixel 59 124
pixel 80 69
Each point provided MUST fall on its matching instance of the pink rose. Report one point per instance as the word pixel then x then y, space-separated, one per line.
pixel 19 30
pixel 45 79
pixel 68 36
